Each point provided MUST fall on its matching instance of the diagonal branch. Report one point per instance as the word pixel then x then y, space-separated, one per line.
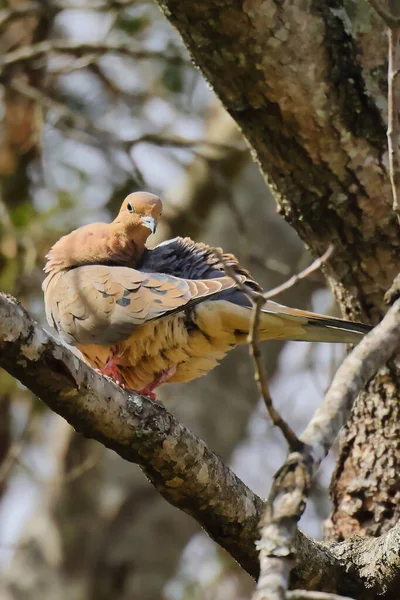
pixel 390 19
pixel 257 298
pixel 260 376
pixel 291 485
pixel 178 464
pixel 181 467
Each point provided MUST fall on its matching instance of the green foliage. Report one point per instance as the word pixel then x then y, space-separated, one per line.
pixel 173 78
pixel 22 215
pixel 131 25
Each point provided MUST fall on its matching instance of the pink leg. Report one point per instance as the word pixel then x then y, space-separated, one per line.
pixel 111 370
pixel 161 378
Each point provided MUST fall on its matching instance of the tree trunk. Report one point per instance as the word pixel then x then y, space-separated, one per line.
pixel 306 84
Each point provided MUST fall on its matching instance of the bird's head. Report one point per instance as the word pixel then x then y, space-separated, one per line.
pixel 139 215
pixel 121 242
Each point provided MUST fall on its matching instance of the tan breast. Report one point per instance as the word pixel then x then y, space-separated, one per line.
pixel 171 341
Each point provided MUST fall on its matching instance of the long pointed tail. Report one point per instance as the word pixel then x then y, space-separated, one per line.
pixel 281 322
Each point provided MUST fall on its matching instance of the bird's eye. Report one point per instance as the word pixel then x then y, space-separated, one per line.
pixel 130 208
pixel 160 214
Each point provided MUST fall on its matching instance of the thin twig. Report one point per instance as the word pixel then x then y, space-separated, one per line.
pixel 287 500
pixel 85 131
pixel 179 142
pixel 390 19
pixel 32 51
pixel 317 264
pixel 303 595
pixel 258 300
pixel 75 473
pixel 260 377
pixel 393 117
pixel 22 10
pixel 16 448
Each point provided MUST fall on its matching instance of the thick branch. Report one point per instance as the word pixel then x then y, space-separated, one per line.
pixel 353 374
pixel 291 485
pixel 179 464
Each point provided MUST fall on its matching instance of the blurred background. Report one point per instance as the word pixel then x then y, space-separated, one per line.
pixel 99 99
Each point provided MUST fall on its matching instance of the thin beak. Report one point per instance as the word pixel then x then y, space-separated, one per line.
pixel 150 223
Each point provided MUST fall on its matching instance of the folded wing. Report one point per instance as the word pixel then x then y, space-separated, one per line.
pixel 104 305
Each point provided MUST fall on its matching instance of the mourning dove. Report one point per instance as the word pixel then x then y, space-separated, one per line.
pixel 145 316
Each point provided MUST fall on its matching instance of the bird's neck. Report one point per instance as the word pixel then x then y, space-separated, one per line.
pixel 97 244
pixel 124 247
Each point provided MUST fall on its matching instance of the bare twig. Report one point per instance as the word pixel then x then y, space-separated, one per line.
pixel 393 117
pixel 289 492
pixel 260 377
pixel 303 595
pixel 75 473
pixel 179 142
pixel 18 10
pixel 16 448
pixel 81 48
pixel 85 131
pixel 317 264
pixel 257 298
pixel 392 19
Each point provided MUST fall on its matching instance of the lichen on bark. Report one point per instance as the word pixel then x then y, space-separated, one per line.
pixel 304 81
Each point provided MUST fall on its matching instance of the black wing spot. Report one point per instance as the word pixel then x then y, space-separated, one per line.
pixel 157 291
pixel 123 302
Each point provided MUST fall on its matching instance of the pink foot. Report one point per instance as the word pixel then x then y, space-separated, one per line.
pixel 111 370
pixel 161 378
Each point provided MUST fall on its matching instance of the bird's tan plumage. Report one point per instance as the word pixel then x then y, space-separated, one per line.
pixel 169 312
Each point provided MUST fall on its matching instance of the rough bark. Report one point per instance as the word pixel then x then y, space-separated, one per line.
pixel 179 465
pixel 305 83
pixel 122 566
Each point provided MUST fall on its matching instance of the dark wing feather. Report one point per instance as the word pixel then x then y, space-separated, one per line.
pixel 182 257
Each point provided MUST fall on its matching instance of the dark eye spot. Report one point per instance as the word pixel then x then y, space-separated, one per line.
pixel 160 214
pixel 130 208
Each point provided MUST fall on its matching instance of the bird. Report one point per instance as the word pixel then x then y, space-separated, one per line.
pixel 146 317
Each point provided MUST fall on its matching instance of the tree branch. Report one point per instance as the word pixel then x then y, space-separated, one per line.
pixel 178 464
pixel 22 10
pixel 33 51
pixel 291 485
pixel 302 595
pixel 390 19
